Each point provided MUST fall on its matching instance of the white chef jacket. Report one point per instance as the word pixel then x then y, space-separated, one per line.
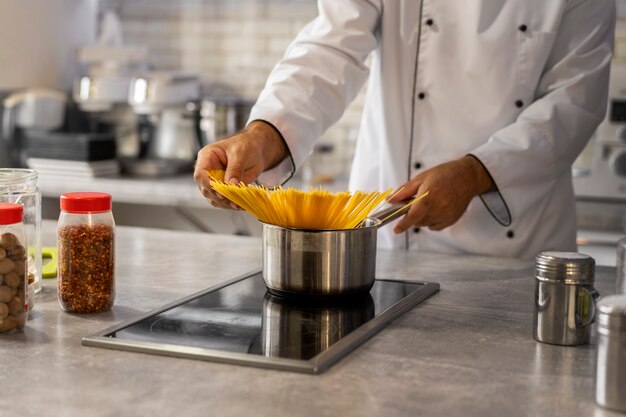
pixel 520 84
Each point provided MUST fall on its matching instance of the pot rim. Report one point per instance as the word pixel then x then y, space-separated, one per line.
pixel 373 224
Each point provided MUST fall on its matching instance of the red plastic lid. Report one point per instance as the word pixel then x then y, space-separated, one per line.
pixel 11 213
pixel 85 202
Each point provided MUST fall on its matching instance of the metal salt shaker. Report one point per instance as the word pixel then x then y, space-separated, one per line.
pixel 610 375
pixel 564 298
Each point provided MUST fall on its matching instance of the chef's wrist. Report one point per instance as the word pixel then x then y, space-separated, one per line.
pixel 483 182
pixel 272 142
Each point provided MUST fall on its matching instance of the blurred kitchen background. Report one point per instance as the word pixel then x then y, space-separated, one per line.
pixel 118 96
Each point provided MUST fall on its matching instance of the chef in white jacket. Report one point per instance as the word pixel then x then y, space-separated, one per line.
pixel 486 104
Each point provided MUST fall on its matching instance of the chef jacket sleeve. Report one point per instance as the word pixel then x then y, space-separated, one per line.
pixel 571 97
pixel 320 74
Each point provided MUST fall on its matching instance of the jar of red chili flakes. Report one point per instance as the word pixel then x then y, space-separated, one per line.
pixel 86 245
pixel 13 292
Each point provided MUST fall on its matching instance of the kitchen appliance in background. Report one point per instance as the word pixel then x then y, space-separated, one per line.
pixel 221 117
pixel 167 137
pixel 600 171
pixel 80 148
pixel 111 70
pixel 600 177
pixel 223 112
pixel 101 92
pixel 111 67
pixel 32 109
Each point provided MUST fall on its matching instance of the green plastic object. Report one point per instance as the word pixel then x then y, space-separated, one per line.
pixel 49 255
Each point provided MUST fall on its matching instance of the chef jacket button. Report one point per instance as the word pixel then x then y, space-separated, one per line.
pixel 519 103
pixel 522 28
pixel 417 165
pixel 416 230
pixel 421 96
pixel 430 22
pixel 510 234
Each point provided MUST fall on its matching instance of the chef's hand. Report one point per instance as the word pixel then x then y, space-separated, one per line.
pixel 244 156
pixel 451 187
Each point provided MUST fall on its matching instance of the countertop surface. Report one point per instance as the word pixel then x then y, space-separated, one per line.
pixel 466 351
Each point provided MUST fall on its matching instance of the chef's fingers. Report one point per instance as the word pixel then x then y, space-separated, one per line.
pixel 407 190
pixel 244 164
pixel 211 157
pixel 204 184
pixel 216 199
pixel 236 164
pixel 416 216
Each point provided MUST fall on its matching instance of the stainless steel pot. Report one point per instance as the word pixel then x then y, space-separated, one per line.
pixel 222 117
pixel 323 262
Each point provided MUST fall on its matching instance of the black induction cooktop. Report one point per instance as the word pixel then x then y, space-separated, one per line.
pixel 240 322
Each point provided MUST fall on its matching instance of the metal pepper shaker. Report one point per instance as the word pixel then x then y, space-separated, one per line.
pixel 564 298
pixel 610 375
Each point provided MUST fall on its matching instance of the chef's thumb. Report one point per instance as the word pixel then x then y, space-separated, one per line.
pixel 407 191
pixel 234 172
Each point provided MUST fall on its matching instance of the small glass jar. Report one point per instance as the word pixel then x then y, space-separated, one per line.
pixel 13 268
pixel 86 246
pixel 20 186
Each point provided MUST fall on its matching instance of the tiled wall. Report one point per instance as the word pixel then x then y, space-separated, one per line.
pixel 239 41
pixel 230 41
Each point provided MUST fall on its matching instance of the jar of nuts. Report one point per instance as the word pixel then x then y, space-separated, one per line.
pixel 13 292
pixel 86 246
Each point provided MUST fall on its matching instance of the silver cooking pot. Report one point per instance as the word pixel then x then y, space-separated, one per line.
pixel 323 262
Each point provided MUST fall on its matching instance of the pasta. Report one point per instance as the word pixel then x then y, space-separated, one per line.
pixel 289 207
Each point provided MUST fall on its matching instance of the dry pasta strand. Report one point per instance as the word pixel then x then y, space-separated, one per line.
pixel 289 207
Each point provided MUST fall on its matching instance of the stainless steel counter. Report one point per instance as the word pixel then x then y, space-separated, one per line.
pixel 467 351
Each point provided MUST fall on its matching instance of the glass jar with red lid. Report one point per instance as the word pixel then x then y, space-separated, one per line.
pixel 13 268
pixel 86 245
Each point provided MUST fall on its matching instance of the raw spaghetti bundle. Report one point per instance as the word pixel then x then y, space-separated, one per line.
pixel 289 207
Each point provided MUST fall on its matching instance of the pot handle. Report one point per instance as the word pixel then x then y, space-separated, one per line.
pixel 391 213
pixel 395 211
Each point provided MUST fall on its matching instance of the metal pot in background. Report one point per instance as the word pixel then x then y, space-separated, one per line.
pixel 323 262
pixel 35 109
pixel 167 138
pixel 300 330
pixel 175 135
pixel 222 117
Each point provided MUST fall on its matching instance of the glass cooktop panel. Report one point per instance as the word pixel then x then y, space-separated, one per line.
pixel 241 323
pixel 244 318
